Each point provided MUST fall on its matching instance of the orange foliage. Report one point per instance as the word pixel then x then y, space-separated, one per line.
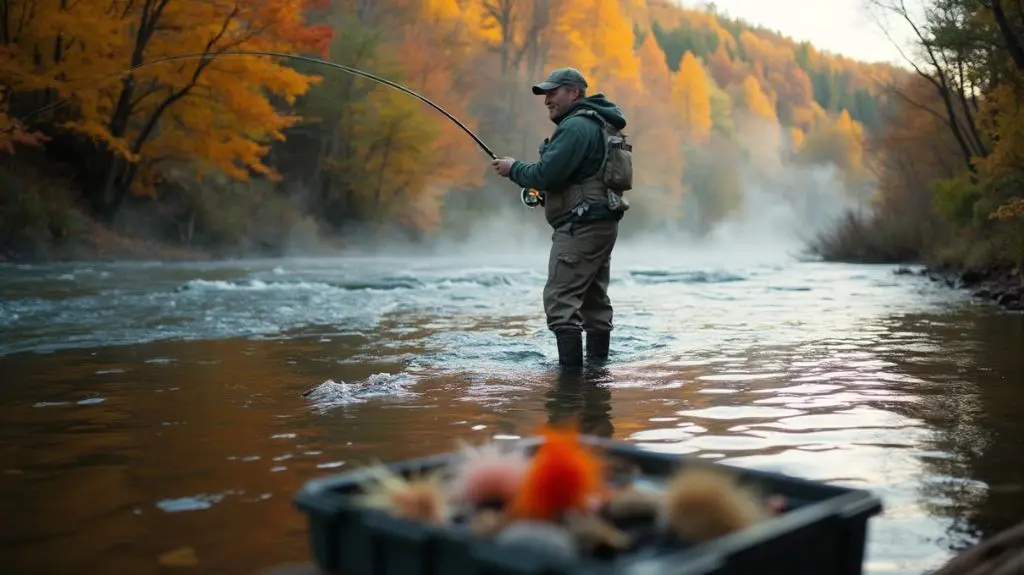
pixel 215 111
pixel 1010 210
pixel 721 67
pixel 386 156
pixel 434 69
pixel 660 174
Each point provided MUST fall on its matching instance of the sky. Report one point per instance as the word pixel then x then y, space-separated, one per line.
pixel 841 26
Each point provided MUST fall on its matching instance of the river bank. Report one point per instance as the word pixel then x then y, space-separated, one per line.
pixel 96 243
pixel 145 233
pixel 45 219
pixel 1002 284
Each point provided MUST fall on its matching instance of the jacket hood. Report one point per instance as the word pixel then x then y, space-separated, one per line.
pixel 609 110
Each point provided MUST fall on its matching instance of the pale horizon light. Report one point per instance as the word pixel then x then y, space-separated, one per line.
pixel 845 27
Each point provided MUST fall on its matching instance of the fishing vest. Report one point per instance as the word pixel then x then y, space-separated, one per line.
pixel 604 188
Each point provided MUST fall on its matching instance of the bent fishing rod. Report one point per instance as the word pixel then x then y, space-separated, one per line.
pixel 529 197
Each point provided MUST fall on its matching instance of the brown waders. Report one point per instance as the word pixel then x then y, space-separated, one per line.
pixel 576 293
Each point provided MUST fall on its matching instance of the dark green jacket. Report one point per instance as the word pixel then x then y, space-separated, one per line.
pixel 573 152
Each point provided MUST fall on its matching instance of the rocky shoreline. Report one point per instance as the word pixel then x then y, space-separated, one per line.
pixel 1002 285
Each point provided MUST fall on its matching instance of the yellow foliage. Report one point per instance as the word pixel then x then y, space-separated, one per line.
pixel 214 110
pixel 755 101
pixel 796 138
pixel 839 141
pixel 659 171
pixel 483 18
pixel 691 100
pixel 1003 118
pixel 594 37
pixel 390 154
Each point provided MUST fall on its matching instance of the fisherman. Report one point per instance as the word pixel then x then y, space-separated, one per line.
pixel 583 203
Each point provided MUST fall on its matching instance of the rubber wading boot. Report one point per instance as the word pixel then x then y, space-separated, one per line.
pixel 597 345
pixel 570 348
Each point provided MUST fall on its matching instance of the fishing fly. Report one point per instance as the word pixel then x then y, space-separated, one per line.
pixel 529 197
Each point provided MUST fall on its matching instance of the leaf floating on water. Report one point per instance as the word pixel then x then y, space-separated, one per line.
pixel 180 557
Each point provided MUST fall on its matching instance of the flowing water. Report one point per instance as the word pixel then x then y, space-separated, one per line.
pixel 159 408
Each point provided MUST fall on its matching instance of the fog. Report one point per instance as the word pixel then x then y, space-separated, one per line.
pixel 781 205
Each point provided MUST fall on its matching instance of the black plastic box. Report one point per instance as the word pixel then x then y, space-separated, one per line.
pixel 822 531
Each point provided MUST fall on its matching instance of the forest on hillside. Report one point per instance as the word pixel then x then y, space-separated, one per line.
pixel 236 154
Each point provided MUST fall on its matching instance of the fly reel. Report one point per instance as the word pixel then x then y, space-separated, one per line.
pixel 531 198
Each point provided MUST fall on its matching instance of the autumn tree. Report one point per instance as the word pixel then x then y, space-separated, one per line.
pixel 758 128
pixel 753 100
pixel 721 67
pixel 710 101
pixel 691 100
pixel 722 120
pixel 521 35
pixel 914 151
pixel 408 136
pixel 594 37
pixel 652 126
pixel 196 113
pixel 837 141
pixel 955 135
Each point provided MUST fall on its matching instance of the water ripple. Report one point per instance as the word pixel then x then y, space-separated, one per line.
pixel 217 389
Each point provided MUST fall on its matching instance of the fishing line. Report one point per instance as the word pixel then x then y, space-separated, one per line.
pixel 309 59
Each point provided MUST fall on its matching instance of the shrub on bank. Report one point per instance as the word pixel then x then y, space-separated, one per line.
pixel 37 214
pixel 863 237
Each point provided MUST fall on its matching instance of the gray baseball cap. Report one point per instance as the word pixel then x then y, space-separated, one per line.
pixel 560 77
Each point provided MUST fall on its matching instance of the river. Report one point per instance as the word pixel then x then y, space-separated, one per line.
pixel 153 408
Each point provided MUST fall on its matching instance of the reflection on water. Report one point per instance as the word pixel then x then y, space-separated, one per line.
pixel 112 457
pixel 584 398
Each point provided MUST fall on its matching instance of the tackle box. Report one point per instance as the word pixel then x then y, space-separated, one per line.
pixel 822 531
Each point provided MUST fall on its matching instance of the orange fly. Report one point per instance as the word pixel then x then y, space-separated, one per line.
pixel 563 475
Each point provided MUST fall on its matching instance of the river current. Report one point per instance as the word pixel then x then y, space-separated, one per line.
pixel 155 411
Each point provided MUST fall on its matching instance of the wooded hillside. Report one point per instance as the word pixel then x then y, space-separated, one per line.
pixel 235 152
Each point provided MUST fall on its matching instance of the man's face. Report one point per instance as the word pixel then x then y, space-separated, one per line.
pixel 559 100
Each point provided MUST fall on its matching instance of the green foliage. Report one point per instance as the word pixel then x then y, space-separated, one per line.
pixel 36 212
pixel 686 38
pixel 721 112
pixel 251 218
pixel 956 200
pixel 956 132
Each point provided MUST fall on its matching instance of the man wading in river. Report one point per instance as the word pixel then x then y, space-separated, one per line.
pixel 583 169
